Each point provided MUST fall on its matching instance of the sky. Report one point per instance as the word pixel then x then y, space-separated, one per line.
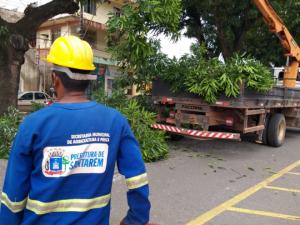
pixel 168 47
pixel 19 5
pixel 176 49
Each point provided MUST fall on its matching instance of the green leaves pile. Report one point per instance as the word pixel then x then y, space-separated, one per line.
pixel 203 80
pixel 152 142
pixel 9 123
pixel 208 77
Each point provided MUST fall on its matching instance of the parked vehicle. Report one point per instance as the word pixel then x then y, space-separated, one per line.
pixel 26 99
pixel 278 73
pixel 265 115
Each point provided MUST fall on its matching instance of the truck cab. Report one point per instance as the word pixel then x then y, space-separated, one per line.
pixel 278 73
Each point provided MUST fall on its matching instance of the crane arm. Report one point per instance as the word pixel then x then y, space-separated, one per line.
pixel 278 27
pixel 289 44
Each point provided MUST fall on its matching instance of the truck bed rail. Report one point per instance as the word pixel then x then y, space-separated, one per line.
pixel 197 133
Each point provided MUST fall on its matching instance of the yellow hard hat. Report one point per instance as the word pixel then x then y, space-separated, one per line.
pixel 71 52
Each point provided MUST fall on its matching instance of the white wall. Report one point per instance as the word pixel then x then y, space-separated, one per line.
pixel 28 77
pixel 65 30
pixel 102 12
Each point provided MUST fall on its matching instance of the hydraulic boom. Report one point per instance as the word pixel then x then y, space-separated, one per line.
pixel 291 48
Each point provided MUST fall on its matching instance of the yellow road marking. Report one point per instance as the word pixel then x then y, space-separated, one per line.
pixel 202 219
pixel 264 213
pixel 294 173
pixel 283 189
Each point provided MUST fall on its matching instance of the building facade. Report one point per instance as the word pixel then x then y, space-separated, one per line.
pixel 95 16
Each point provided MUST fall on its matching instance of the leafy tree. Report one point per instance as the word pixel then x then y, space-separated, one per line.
pixel 129 33
pixel 236 26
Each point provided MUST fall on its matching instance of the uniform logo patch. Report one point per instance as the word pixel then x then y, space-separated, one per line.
pixel 67 160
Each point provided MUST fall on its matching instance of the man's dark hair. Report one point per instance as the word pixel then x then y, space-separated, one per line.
pixel 71 84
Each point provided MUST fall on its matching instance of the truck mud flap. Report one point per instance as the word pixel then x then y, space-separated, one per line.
pixel 197 133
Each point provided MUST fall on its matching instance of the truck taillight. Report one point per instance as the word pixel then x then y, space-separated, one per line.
pixel 166 100
pixel 229 121
pixel 172 114
pixel 224 103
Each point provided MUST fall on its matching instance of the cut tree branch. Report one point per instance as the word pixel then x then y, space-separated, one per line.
pixel 35 16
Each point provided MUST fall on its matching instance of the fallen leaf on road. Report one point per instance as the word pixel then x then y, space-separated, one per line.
pixel 221 168
pixel 237 178
pixel 250 168
pixel 272 172
pixel 211 166
pixel 268 168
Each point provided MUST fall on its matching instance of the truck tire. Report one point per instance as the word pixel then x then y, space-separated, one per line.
pixel 265 131
pixel 276 130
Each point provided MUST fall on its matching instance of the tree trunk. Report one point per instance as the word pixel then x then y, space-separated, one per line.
pixel 224 44
pixel 12 58
pixel 15 43
pixel 9 84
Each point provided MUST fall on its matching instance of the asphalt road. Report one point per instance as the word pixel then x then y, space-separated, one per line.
pixel 200 175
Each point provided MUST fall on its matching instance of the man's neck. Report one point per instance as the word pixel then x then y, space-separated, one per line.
pixel 73 97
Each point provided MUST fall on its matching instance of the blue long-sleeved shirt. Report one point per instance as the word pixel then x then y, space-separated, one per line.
pixel 61 168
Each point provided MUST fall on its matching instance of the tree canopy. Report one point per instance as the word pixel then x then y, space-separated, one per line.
pixel 132 35
pixel 236 26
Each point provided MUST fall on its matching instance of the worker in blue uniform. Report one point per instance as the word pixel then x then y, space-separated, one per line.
pixel 62 161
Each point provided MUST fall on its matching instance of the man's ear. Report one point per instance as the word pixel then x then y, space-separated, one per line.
pixel 55 80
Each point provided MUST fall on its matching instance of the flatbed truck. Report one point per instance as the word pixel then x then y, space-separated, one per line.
pixel 265 115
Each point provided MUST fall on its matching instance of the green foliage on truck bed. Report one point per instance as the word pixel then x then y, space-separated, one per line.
pixel 209 77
